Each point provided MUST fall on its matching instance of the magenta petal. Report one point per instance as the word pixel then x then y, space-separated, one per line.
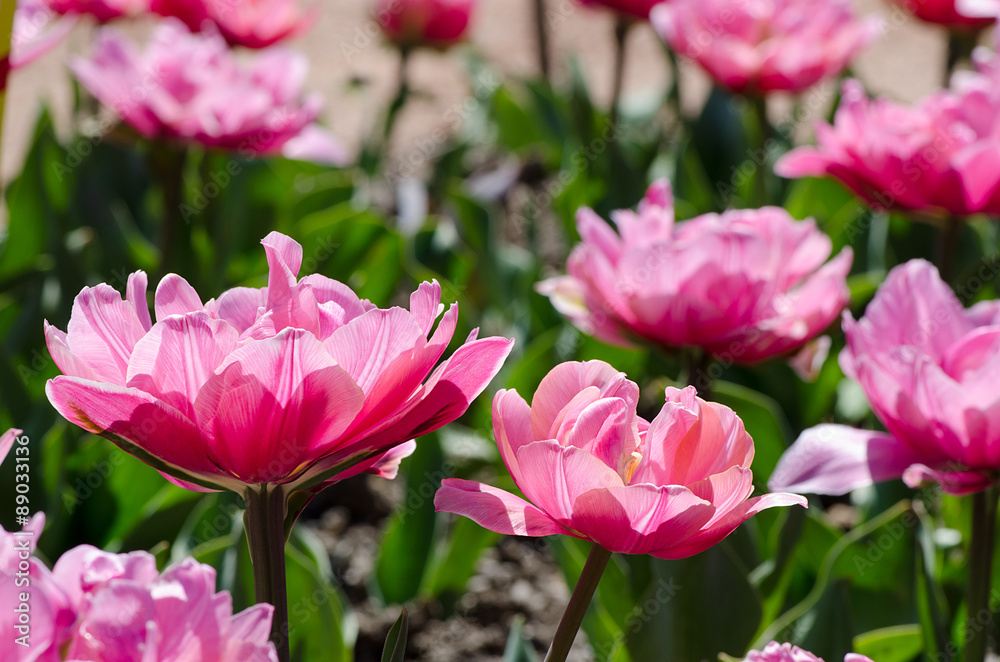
pixel 136 417
pixel 175 296
pixel 494 509
pixel 835 459
pixel 293 397
pixel 387 465
pixel 958 483
pixel 639 518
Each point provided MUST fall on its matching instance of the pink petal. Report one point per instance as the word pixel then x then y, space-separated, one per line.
pixel 426 306
pixel 175 296
pixel 179 354
pixel 368 345
pixel 252 624
pixel 639 518
pixel 137 418
pixel 58 347
pixel 102 331
pixel 553 476
pixel 284 257
pixel 494 509
pixel 135 294
pixel 512 428
pixel 276 405
pixel 959 483
pixel 565 381
pixel 239 306
pixel 836 459
pixel 387 465
pixel 317 145
pixel 7 440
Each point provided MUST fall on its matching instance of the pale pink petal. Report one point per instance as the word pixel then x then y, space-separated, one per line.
pixel 836 459
pixel 512 428
pixel 135 294
pixel 426 306
pixel 58 347
pixel 565 381
pixel 102 331
pixel 175 296
pixel 553 476
pixel 239 306
pixel 494 509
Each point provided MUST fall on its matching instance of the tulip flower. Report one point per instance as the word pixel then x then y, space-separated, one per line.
pixel 45 617
pixel 432 23
pixel 927 367
pixel 127 609
pixel 763 46
pixel 102 10
pixel 745 285
pixel 266 392
pixel 191 88
pixel 634 8
pixel 940 157
pixel 249 23
pixel 287 385
pixel 775 652
pixel 37 29
pixel 590 467
pixel 952 14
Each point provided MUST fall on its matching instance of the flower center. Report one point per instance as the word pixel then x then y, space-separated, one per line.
pixel 633 464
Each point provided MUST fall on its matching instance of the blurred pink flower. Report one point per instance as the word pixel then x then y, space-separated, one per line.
pixel 37 29
pixel 635 8
pixel 747 285
pixel 953 14
pixel 102 10
pixel 928 367
pixel 941 156
pixel 34 628
pixel 775 652
pixel 294 384
pixel 191 87
pixel 591 468
pixel 129 612
pixel 250 23
pixel 432 23
pixel 760 46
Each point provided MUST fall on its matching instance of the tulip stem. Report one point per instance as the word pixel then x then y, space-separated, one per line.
pixel 572 618
pixel 984 518
pixel 764 135
pixel 947 246
pixel 264 522
pixel 622 25
pixel 401 97
pixel 542 37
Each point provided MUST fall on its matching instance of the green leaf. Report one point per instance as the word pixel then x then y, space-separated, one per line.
pixel 409 537
pixel 764 421
pixel 901 643
pixel 518 648
pixel 395 643
pixel 456 561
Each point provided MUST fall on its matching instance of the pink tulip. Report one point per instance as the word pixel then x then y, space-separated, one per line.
pixel 928 367
pixel 432 23
pixel 746 285
pixel 775 652
pixel 49 614
pixel 293 384
pixel 102 10
pixel 591 468
pixel 192 88
pixel 635 8
pixel 129 612
pixel 941 156
pixel 949 13
pixel 250 23
pixel 37 30
pixel 761 46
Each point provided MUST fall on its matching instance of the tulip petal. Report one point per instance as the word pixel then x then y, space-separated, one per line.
pixel 135 294
pixel 426 306
pixel 512 428
pixel 564 383
pixel 553 476
pixel 494 509
pixel 958 483
pixel 102 331
pixel 290 393
pixel 239 306
pixel 68 364
pixel 178 355
pixel 175 296
pixel 7 440
pixel 836 459
pixel 368 345
pixel 141 425
pixel 639 518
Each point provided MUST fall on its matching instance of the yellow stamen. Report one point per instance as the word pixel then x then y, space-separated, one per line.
pixel 633 464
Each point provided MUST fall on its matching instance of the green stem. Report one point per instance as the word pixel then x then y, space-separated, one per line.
pixel 764 134
pixel 572 618
pixel 984 518
pixel 264 521
pixel 542 40
pixel 947 247
pixel 696 368
pixel 402 95
pixel 622 25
